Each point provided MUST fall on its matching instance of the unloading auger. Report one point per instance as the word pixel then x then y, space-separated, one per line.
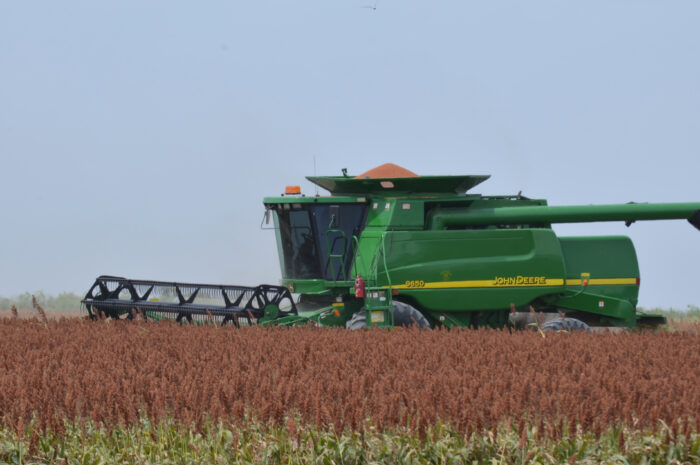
pixel 390 248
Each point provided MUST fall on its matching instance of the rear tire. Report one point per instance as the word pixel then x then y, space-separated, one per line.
pixel 566 324
pixel 404 316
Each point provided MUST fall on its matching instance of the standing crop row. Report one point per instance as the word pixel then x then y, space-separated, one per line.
pixel 115 372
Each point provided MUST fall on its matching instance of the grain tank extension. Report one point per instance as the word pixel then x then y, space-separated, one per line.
pixel 392 248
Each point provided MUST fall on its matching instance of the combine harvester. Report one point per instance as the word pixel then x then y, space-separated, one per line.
pixel 390 248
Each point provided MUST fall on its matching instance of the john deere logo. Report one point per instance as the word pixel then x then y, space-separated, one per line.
pixel 519 281
pixel 446 275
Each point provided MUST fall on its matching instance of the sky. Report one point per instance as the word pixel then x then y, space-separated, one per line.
pixel 139 138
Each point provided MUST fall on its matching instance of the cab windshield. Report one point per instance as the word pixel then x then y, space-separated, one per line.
pixel 315 240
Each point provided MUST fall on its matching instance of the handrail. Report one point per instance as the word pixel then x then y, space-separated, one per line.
pixel 331 255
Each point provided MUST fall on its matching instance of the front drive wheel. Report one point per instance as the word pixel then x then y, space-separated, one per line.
pixel 404 315
pixel 358 320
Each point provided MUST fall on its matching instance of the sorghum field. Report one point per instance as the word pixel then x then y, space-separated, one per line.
pixel 161 392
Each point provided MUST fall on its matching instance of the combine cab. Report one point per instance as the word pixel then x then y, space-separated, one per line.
pixel 392 248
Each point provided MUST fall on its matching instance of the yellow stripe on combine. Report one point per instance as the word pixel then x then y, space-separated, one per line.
pixel 491 283
pixel 603 282
pixel 479 283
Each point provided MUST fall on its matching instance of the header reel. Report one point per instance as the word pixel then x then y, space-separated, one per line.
pixel 121 298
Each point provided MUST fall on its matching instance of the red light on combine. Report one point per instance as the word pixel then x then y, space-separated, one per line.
pixel 639 280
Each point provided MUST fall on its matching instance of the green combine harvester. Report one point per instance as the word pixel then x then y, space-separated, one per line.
pixel 390 248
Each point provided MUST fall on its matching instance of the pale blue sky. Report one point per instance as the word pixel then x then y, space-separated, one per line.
pixel 138 138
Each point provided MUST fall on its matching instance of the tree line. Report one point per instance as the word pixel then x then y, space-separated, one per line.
pixel 65 301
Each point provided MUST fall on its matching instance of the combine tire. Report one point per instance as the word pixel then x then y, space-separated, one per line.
pixel 566 324
pixel 358 320
pixel 404 315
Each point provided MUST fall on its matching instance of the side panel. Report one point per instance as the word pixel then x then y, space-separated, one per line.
pixel 471 270
pixel 611 262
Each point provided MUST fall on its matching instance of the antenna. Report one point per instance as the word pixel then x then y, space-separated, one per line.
pixel 315 185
